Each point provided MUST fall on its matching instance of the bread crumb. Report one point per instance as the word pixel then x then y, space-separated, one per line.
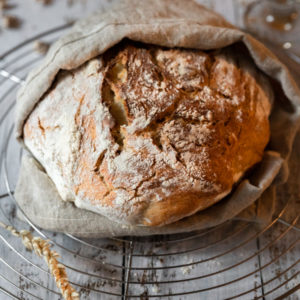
pixel 3 5
pixel 155 289
pixel 186 270
pixel 44 2
pixel 11 21
pixel 41 47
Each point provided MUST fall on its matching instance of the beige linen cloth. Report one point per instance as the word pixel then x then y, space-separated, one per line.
pixel 170 23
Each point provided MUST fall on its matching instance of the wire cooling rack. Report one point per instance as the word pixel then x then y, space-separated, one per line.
pixel 236 260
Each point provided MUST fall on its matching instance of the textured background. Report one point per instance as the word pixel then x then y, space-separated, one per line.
pixel 35 18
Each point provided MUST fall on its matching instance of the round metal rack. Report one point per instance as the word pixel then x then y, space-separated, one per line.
pixel 236 260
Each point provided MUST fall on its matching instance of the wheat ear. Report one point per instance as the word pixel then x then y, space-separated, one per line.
pixel 42 249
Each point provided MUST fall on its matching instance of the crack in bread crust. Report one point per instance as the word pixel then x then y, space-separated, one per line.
pixel 148 135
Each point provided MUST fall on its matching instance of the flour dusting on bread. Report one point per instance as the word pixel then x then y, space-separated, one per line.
pixel 146 135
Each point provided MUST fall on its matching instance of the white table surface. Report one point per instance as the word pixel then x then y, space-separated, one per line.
pixel 37 18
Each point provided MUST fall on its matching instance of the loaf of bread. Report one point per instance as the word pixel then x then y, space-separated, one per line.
pixel 147 135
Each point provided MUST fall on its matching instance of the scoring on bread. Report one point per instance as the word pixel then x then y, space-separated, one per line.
pixel 146 135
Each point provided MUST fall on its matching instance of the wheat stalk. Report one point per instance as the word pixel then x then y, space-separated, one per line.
pixel 42 249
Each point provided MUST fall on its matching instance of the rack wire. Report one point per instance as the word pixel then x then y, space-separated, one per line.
pixel 235 260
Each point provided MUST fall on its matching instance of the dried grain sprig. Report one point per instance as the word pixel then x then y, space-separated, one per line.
pixel 42 249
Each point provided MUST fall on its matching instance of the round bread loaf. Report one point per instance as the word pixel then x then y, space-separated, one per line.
pixel 146 135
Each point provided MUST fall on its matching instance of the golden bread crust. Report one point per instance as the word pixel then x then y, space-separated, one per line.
pixel 156 134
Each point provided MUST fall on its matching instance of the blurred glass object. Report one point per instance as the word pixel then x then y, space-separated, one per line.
pixel 277 21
